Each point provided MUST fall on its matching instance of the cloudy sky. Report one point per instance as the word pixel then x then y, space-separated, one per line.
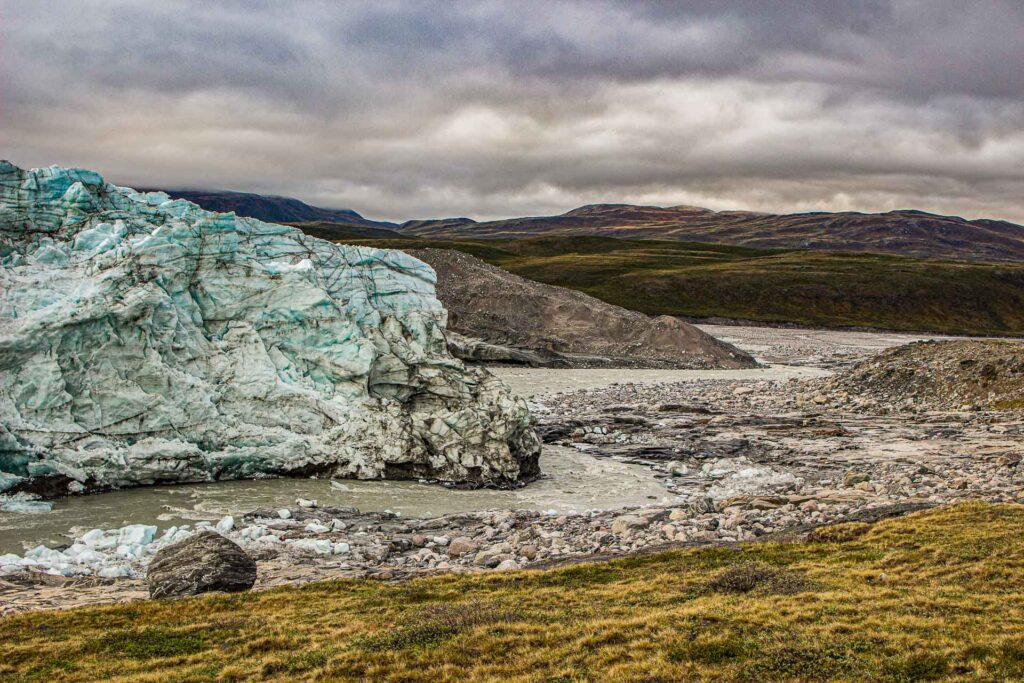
pixel 494 109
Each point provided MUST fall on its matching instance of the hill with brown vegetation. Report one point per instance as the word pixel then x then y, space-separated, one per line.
pixel 272 208
pixel 903 233
pixel 808 288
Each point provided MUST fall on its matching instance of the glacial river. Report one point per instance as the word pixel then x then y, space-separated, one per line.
pixel 572 480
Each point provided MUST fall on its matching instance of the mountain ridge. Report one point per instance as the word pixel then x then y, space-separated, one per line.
pixel 270 208
pixel 902 232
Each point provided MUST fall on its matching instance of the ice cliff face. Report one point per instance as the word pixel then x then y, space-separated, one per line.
pixel 144 340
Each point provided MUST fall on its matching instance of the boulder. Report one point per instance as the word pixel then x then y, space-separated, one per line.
pixel 626 523
pixel 461 546
pixel 203 563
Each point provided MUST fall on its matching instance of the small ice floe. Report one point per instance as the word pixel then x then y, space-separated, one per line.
pixel 284 513
pixel 305 503
pixel 317 528
pixel 111 553
pixel 225 525
pixel 319 546
pixel 253 533
pixel 25 503
pixel 738 477
pixel 338 486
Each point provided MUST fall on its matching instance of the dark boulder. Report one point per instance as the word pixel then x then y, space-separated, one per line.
pixel 203 563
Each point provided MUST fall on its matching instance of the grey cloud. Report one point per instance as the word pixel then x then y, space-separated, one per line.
pixel 403 109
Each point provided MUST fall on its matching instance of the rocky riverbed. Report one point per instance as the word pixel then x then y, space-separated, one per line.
pixel 739 458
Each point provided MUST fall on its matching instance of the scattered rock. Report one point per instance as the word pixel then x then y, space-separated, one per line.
pixel 206 562
pixel 461 546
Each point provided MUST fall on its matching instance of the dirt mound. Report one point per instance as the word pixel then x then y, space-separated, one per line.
pixel 940 374
pixel 561 326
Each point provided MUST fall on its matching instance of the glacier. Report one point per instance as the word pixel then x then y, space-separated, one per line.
pixel 145 340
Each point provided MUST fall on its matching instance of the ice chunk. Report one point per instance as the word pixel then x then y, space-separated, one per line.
pixel 226 524
pixel 25 505
pixel 162 342
pixel 136 534
pixel 320 547
pixel 98 538
pixel 8 480
pixel 114 571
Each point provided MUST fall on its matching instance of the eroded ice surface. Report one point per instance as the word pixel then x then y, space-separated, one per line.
pixel 146 340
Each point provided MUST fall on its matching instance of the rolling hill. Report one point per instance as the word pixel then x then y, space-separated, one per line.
pixel 271 208
pixel 901 233
pixel 812 288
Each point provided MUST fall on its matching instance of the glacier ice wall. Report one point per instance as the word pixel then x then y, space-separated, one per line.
pixel 144 340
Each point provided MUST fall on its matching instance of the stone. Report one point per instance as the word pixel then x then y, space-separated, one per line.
pixel 528 551
pixel 164 343
pixel 627 523
pixel 742 391
pixel 205 562
pixel 487 559
pixel 853 478
pixel 461 546
pixel 507 566
pixel 655 514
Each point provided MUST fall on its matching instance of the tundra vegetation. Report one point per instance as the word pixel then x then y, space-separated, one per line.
pixel 937 595
pixel 815 288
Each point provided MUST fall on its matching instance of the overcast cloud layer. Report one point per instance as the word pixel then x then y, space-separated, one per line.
pixel 493 109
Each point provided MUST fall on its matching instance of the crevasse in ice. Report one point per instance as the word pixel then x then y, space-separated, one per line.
pixel 146 340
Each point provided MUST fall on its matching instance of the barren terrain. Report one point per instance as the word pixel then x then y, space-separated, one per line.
pixel 740 455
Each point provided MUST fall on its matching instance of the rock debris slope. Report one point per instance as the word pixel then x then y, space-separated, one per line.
pixel 146 340
pixel 508 318
pixel 931 375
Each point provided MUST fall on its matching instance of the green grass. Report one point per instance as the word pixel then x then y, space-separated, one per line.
pixel 814 288
pixel 938 595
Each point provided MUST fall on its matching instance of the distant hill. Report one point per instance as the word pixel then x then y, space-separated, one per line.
pixel 327 230
pixel 900 233
pixel 810 288
pixel 272 209
pixel 904 233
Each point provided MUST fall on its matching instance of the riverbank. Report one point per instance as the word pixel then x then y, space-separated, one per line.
pixel 710 459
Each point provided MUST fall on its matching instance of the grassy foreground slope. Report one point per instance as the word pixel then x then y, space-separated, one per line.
pixel 938 595
pixel 827 289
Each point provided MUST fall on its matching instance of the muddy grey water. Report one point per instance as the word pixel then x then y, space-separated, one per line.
pixel 572 481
